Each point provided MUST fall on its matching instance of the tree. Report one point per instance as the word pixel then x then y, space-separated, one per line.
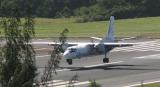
pixel 73 80
pixel 46 8
pixel 50 69
pixel 18 68
pixel 63 39
pixel 93 84
pixel 152 7
pixel 66 12
pixel 53 62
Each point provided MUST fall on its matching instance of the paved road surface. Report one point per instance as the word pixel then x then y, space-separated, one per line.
pixel 128 66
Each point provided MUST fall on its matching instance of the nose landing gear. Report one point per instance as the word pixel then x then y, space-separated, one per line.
pixel 69 61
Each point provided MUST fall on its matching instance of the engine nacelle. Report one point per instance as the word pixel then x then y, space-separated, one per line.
pixel 65 46
pixel 100 48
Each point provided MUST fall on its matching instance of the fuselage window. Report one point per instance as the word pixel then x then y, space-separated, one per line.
pixel 72 50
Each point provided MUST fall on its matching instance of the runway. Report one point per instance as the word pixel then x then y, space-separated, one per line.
pixel 128 66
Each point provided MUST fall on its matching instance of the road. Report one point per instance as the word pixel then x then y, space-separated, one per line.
pixel 128 66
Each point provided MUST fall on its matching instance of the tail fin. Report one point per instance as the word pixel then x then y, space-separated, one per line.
pixel 110 35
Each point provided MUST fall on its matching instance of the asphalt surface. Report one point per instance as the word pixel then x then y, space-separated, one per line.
pixel 128 65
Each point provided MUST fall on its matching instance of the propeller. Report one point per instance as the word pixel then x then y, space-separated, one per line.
pixel 63 40
pixel 93 46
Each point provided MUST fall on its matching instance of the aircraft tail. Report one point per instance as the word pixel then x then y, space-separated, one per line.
pixel 110 34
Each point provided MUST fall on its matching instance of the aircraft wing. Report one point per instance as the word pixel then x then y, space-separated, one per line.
pixel 114 44
pixel 120 44
pixel 53 43
pixel 123 39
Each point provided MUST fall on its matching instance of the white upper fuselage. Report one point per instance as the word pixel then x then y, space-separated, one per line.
pixel 76 51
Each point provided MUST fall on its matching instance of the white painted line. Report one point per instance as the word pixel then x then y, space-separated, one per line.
pixel 82 83
pixel 75 84
pixel 41 39
pixel 138 84
pixel 40 43
pixel 148 42
pixel 62 70
pixel 54 81
pixel 102 64
pixel 58 84
pixel 155 56
pixel 42 49
pixel 139 48
pixel 51 82
pixel 43 56
pixel 130 50
pixel 144 46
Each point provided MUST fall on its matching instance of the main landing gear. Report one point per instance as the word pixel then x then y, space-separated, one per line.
pixel 69 61
pixel 105 59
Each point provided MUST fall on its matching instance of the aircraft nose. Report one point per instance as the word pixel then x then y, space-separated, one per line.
pixel 66 55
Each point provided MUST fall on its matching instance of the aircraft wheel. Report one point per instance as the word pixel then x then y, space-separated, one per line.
pixel 105 60
pixel 69 61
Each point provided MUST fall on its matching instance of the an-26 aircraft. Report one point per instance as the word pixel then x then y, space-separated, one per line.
pixel 83 49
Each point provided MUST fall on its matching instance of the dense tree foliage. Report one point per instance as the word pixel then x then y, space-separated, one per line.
pixel 17 66
pixel 91 9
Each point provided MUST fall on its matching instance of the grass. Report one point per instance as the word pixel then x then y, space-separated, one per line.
pixel 142 27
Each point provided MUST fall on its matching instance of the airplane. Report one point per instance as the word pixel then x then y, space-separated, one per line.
pixel 78 50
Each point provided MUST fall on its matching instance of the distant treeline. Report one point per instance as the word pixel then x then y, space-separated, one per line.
pixel 89 10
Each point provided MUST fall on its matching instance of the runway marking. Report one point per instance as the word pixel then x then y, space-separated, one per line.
pixel 62 83
pixel 54 81
pixel 139 48
pixel 41 39
pixel 144 83
pixel 144 46
pixel 59 84
pixel 60 70
pixel 43 56
pixel 82 83
pixel 38 49
pixel 155 56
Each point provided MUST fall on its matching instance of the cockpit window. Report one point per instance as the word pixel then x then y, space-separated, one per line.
pixel 72 50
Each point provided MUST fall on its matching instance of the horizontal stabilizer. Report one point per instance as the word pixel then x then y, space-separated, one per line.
pixel 96 38
pixel 130 38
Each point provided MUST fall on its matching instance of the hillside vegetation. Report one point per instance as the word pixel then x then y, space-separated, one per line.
pixel 88 10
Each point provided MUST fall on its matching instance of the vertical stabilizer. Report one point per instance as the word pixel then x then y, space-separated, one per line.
pixel 110 35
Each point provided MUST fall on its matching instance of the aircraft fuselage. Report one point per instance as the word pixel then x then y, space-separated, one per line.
pixel 80 51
